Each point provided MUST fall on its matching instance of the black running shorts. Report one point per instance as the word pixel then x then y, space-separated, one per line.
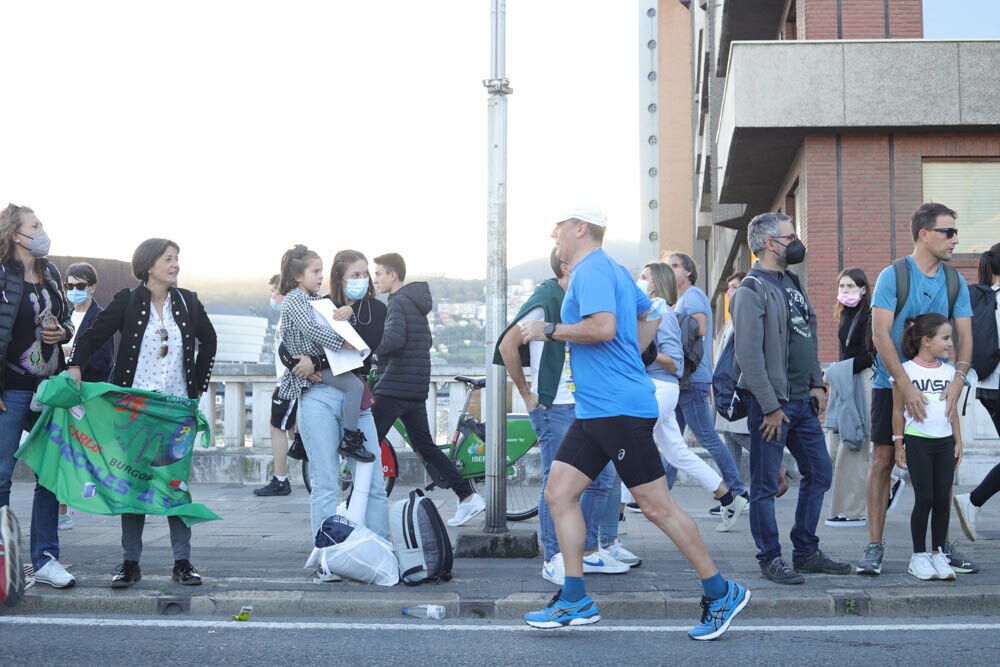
pixel 882 417
pixel 627 441
pixel 283 412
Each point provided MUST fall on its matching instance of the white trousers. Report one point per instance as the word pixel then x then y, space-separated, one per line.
pixel 671 443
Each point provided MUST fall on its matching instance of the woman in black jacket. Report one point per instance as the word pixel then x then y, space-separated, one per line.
pixel 34 322
pixel 167 345
pixel 985 298
pixel 850 472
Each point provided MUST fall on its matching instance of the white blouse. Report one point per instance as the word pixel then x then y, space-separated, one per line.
pixel 153 372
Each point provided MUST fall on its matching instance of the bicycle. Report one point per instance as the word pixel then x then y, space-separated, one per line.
pixel 467 450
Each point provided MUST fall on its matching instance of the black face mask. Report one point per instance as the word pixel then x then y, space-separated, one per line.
pixel 795 252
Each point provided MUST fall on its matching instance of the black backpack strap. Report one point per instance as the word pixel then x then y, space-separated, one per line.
pixel 953 283
pixel 902 268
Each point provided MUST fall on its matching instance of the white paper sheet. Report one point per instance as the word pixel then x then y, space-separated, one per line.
pixel 344 359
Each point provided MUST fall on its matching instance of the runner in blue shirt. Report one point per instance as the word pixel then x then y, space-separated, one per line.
pixel 604 320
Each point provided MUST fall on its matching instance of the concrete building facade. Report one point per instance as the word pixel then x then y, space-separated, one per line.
pixel 840 114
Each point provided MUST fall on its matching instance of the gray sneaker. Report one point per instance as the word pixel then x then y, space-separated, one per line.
pixel 778 571
pixel 819 563
pixel 871 561
pixel 959 562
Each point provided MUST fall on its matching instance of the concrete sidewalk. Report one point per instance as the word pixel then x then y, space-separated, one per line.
pixel 255 557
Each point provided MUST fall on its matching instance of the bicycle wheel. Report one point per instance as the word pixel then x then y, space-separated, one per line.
pixel 522 495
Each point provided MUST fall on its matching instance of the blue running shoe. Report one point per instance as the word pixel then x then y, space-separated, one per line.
pixel 561 613
pixel 716 615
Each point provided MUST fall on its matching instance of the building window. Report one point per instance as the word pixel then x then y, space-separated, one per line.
pixel 970 188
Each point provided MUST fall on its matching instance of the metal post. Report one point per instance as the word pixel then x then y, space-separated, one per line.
pixel 494 408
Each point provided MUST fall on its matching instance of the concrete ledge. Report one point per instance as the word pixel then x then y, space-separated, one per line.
pixel 516 543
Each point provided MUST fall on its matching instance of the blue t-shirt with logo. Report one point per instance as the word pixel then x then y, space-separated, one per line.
pixel 609 378
pixel 694 300
pixel 928 294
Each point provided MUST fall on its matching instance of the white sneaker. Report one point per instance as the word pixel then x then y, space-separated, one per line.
pixel 731 513
pixel 620 553
pixel 942 567
pixel 967 514
pixel 553 570
pixel 54 574
pixel 327 577
pixel 467 509
pixel 601 562
pixel 65 522
pixel 921 567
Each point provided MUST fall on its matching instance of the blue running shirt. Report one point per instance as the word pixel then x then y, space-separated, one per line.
pixel 610 379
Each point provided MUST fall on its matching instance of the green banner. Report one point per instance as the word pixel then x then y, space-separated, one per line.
pixel 104 449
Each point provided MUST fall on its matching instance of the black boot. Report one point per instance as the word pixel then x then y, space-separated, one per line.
pixel 127 574
pixel 353 446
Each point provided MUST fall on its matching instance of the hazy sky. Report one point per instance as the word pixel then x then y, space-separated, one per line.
pixel 240 128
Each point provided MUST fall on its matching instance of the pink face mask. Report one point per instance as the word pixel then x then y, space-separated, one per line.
pixel 850 300
pixel 730 292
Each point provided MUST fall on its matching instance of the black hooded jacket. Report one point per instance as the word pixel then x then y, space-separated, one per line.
pixel 404 357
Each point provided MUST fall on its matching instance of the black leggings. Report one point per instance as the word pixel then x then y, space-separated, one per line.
pixel 931 462
pixel 991 483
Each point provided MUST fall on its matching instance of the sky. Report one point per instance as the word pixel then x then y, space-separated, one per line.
pixel 238 129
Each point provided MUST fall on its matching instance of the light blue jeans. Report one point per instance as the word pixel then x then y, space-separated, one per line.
pixel 550 426
pixel 44 508
pixel 320 423
pixel 693 409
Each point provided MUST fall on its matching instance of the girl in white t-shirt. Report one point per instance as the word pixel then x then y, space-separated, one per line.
pixel 930 448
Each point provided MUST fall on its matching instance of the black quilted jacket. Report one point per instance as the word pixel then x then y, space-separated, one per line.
pixel 404 357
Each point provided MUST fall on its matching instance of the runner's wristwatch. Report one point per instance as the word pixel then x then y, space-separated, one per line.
pixel 550 330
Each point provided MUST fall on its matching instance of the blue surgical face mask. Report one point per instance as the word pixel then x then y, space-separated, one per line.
pixel 275 305
pixel 643 285
pixel 357 288
pixel 77 297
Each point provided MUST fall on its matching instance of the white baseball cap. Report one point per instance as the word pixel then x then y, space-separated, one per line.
pixel 590 214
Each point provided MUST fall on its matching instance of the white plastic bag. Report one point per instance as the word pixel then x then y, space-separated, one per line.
pixel 363 556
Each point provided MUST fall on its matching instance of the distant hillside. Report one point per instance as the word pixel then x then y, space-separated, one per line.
pixel 625 252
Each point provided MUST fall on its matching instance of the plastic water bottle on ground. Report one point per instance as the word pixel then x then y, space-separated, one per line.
pixel 425 611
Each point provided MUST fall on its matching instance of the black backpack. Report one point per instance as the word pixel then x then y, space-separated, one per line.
pixel 693 346
pixel 985 340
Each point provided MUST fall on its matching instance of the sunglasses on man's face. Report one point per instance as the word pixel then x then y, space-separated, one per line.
pixel 949 232
pixel 69 285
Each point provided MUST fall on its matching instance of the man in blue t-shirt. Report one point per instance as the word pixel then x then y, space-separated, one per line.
pixel 693 405
pixel 604 322
pixel 935 235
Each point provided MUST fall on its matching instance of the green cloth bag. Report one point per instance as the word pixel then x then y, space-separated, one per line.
pixel 105 449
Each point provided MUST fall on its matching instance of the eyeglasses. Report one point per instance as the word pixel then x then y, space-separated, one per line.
pixel 69 285
pixel 785 236
pixel 163 343
pixel 949 232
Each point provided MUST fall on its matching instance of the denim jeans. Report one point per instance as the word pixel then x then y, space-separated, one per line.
pixel 44 508
pixel 693 410
pixel 321 427
pixel 550 426
pixel 803 436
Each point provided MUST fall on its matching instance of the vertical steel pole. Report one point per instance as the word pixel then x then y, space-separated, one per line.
pixel 495 408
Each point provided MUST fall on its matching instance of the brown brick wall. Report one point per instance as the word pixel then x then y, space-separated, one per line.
pixel 865 209
pixel 859 19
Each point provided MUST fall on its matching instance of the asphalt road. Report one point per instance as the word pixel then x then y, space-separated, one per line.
pixel 108 640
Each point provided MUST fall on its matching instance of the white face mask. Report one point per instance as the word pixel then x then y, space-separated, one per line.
pixel 643 285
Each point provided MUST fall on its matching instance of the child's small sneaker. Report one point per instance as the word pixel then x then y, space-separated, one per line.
pixel 922 567
pixel 941 566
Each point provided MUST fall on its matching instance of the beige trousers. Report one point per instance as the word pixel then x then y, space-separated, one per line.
pixel 850 471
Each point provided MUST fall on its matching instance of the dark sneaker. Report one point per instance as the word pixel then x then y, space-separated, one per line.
pixel 959 563
pixel 560 613
pixel 716 615
pixel 778 571
pixel 127 574
pixel 353 446
pixel 185 574
pixel 818 563
pixel 871 561
pixel 633 507
pixel 715 511
pixel 274 488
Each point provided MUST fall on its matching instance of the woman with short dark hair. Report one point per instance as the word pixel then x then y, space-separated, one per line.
pixel 168 345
